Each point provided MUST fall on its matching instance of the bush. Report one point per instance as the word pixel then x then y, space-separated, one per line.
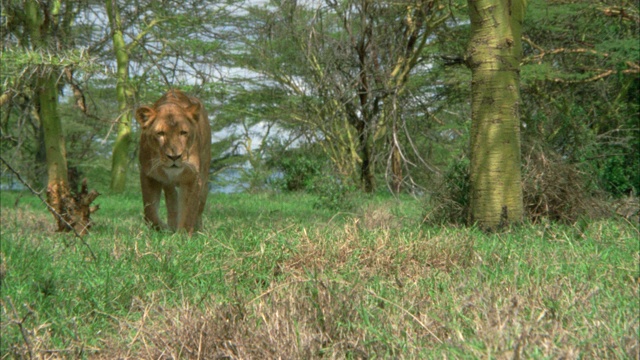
pixel 558 191
pixel 620 175
pixel 552 189
pixel 308 169
pixel 300 168
pixel 299 173
pixel 333 193
pixel 450 201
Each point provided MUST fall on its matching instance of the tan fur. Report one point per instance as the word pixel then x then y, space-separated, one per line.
pixel 175 153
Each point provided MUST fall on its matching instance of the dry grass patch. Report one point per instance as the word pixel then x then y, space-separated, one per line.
pixel 307 318
pixel 36 335
pixel 24 221
pixel 378 216
pixel 383 253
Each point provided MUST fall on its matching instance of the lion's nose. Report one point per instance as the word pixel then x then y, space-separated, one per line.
pixel 174 157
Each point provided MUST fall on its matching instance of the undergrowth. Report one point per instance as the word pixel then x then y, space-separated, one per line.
pixel 273 276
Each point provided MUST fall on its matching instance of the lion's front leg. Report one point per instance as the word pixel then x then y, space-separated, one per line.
pixel 173 206
pixel 189 207
pixel 204 191
pixel 151 190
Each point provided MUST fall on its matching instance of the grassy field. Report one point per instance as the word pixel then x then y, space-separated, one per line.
pixel 271 276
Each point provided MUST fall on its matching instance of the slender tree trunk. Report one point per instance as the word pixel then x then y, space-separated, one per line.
pixel 40 158
pixel 70 210
pixel 34 20
pixel 396 169
pixel 120 159
pixel 367 179
pixel 47 107
pixel 56 153
pixel 494 57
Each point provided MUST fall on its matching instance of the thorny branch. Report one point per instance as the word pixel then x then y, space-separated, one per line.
pixel 20 324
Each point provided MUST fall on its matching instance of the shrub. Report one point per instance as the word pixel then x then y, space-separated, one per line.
pixel 300 168
pixel 450 201
pixel 558 191
pixel 334 193
pixel 552 189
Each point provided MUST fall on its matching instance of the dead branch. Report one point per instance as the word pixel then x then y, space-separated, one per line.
pixel 621 13
pixel 633 68
pixel 543 52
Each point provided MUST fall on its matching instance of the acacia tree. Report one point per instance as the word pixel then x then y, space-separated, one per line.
pixel 43 30
pixel 346 65
pixel 124 93
pixel 494 56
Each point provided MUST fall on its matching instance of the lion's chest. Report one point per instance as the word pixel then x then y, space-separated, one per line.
pixel 174 175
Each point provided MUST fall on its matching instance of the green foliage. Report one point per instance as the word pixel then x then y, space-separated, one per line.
pixel 301 168
pixel 579 89
pixel 307 169
pixel 300 172
pixel 620 175
pixel 19 62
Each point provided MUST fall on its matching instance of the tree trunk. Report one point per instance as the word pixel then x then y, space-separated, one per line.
pixel 494 57
pixel 396 169
pixel 367 180
pixel 70 211
pixel 120 159
pixel 56 153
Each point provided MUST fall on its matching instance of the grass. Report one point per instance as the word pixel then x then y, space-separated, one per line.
pixel 273 276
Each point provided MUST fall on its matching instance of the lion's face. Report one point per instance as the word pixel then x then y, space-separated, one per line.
pixel 169 130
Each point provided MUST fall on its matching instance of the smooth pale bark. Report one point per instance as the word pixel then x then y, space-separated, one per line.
pixel 120 159
pixel 494 57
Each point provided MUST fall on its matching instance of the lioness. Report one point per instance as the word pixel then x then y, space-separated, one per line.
pixel 175 152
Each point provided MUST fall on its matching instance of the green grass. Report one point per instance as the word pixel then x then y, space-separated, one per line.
pixel 273 275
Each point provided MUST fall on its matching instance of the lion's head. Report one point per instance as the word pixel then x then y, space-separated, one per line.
pixel 170 130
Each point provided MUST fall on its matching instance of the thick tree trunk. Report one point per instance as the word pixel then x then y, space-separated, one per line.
pixel 120 158
pixel 494 57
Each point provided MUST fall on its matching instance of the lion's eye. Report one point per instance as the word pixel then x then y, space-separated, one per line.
pixel 183 133
pixel 160 133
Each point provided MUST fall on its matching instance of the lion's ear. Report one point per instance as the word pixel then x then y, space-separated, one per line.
pixel 144 115
pixel 193 110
